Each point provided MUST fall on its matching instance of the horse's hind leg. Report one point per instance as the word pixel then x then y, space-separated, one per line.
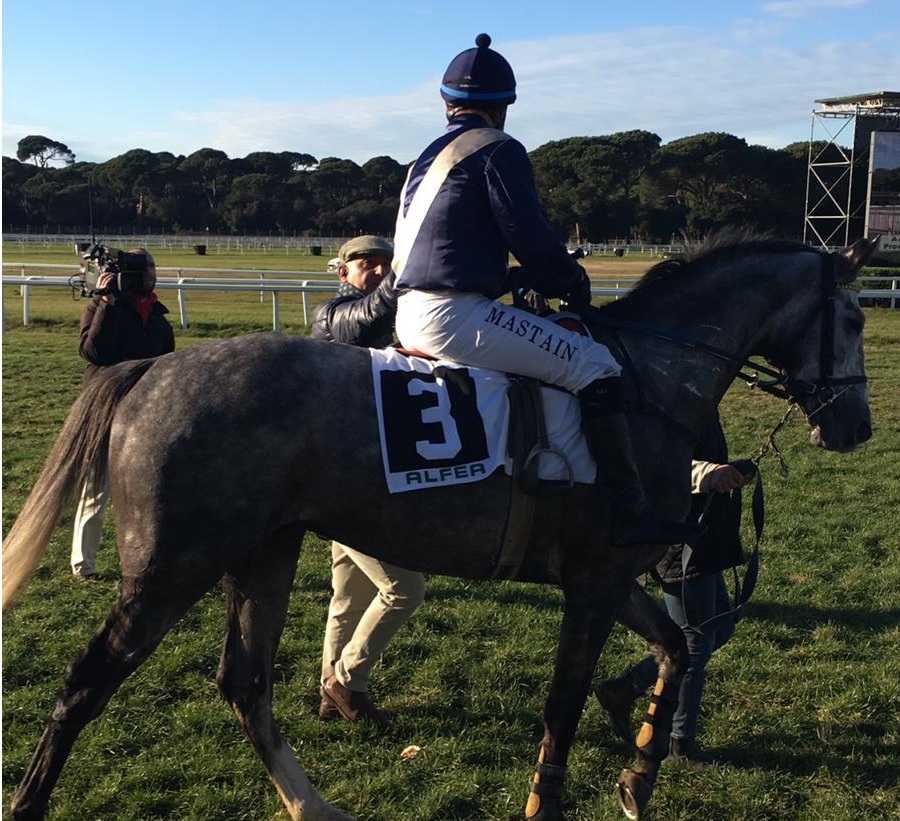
pixel 143 615
pixel 257 594
pixel 644 617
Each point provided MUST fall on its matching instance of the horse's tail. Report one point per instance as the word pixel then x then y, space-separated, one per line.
pixel 81 450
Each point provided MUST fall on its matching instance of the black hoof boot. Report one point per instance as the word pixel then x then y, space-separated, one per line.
pixel 545 800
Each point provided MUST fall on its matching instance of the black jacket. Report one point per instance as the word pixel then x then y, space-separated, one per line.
pixel 720 547
pixel 355 318
pixel 111 333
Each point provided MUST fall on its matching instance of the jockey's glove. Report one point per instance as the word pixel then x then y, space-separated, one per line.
pixel 579 296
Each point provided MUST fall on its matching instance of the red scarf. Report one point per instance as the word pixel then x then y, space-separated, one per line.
pixel 144 305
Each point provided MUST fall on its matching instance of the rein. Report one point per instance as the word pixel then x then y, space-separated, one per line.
pixel 593 315
pixel 743 590
pixel 780 383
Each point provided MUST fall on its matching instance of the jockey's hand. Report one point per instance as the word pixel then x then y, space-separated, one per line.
pixel 580 295
pixel 537 303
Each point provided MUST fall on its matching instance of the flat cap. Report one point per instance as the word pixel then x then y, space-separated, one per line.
pixel 368 244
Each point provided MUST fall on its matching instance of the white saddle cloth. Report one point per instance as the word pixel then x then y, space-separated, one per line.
pixel 442 423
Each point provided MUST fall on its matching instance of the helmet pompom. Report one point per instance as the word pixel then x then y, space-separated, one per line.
pixel 483 40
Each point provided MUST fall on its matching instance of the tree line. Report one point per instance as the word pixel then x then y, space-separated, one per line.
pixel 625 186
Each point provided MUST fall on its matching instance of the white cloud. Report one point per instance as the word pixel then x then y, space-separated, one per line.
pixel 803 8
pixel 675 82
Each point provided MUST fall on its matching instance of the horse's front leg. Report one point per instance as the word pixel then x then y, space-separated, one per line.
pixel 644 617
pixel 588 619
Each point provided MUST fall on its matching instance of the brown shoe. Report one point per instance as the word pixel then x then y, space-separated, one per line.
pixel 352 705
pixel 326 709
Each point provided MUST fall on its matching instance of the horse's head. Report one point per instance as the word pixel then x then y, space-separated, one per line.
pixel 736 296
pixel 826 376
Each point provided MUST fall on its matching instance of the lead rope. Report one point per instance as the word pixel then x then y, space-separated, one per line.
pixel 770 444
pixel 744 589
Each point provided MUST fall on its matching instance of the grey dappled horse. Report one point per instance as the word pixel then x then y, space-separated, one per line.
pixel 248 459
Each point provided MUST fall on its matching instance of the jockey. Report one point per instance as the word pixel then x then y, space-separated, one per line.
pixel 468 201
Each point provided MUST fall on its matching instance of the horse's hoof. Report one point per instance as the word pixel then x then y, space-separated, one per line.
pixel 633 791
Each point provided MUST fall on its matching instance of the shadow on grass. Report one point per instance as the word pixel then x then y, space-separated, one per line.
pixel 850 761
pixel 852 619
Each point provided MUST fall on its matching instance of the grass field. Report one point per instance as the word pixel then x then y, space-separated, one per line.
pixel 802 704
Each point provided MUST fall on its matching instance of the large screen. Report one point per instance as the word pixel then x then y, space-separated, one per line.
pixel 883 215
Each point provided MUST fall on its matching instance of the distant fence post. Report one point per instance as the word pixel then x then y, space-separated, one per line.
pixel 26 304
pixel 182 301
pixel 276 312
pixel 305 304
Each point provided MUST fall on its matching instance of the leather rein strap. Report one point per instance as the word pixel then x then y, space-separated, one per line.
pixel 742 590
pixel 780 384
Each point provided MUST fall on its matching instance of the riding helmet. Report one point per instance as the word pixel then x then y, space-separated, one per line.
pixel 479 75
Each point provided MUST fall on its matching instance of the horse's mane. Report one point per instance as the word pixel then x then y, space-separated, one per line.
pixel 721 246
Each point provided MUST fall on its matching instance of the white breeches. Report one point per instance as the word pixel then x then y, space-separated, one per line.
pixel 473 330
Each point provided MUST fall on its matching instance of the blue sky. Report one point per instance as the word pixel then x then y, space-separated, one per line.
pixel 359 79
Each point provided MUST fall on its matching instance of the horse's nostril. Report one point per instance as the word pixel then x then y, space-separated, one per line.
pixel 864 432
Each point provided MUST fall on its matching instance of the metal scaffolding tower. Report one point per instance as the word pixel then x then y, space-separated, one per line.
pixel 837 176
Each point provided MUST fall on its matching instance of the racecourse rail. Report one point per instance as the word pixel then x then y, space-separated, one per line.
pixel 280 282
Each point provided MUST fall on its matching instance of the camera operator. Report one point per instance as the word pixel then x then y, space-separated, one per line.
pixel 124 320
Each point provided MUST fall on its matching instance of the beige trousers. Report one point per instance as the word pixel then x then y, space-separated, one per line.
pixel 88 526
pixel 371 601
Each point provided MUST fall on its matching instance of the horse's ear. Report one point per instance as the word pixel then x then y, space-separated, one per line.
pixel 853 257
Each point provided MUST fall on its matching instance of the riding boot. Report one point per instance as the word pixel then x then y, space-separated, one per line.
pixel 606 430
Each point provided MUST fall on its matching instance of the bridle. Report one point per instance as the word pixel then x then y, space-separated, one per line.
pixel 798 392
pixel 824 390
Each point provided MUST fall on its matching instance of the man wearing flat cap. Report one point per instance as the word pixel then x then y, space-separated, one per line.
pixel 371 600
pixel 363 311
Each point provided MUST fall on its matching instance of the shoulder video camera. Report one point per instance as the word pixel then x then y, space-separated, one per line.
pixel 134 272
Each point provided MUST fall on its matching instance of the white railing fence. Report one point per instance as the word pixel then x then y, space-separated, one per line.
pixel 252 281
pixel 288 282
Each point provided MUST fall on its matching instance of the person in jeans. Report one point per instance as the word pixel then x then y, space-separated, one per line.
pixel 696 599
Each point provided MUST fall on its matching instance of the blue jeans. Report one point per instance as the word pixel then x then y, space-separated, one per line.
pixel 700 599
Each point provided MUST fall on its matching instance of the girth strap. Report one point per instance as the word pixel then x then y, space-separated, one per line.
pixel 526 432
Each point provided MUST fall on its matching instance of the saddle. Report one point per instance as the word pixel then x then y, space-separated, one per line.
pixel 527 441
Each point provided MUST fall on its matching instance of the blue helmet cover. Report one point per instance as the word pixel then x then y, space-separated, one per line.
pixel 479 75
